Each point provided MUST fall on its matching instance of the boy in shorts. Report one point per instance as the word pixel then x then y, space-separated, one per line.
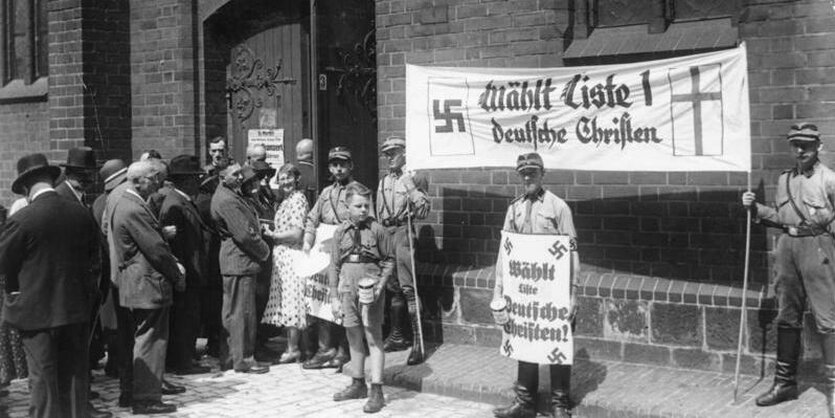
pixel 361 248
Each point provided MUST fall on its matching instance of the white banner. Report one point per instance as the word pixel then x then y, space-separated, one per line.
pixel 680 114
pixel 317 293
pixel 536 278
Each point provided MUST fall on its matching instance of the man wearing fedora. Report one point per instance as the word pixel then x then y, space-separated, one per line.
pixel 147 272
pixel 49 263
pixel 179 210
pixel 79 172
pixel 112 173
pixel 242 252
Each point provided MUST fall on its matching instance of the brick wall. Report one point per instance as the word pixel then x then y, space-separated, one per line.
pixel 163 77
pixel 662 253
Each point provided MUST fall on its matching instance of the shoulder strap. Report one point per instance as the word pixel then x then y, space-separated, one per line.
pixel 794 205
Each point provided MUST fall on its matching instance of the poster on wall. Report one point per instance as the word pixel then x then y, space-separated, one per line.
pixel 273 142
pixel 536 278
pixel 688 113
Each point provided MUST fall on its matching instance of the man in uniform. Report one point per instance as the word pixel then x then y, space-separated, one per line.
pixel 399 202
pixel 538 211
pixel 331 208
pixel 804 210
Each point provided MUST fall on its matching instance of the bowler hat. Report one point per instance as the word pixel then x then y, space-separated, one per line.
pixel 339 153
pixel 803 132
pixel 393 142
pixel 30 165
pixel 529 160
pixel 262 168
pixel 113 173
pixel 81 158
pixel 184 165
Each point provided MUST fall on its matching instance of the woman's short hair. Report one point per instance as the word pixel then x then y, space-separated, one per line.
pixel 291 169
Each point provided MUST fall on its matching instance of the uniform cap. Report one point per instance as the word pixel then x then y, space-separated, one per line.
pixel 803 132
pixel 530 160
pixel 393 142
pixel 339 153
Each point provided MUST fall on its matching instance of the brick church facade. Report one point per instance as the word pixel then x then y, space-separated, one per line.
pixel 662 253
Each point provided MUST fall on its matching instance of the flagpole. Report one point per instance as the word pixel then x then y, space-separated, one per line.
pixel 743 314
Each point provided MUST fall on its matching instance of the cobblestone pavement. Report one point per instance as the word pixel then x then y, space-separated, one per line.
pixel 286 391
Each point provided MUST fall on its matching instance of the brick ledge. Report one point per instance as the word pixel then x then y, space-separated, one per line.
pixel 612 285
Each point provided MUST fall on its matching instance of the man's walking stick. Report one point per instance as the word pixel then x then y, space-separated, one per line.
pixel 743 314
pixel 414 278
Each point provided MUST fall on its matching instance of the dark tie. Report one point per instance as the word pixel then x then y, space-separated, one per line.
pixel 357 248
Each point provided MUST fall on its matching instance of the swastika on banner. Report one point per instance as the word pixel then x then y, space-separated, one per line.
pixel 508 246
pixel 448 116
pixel 558 250
pixel 556 356
pixel 508 349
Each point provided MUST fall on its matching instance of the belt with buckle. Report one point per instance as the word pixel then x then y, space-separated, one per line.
pixel 358 258
pixel 393 222
pixel 800 231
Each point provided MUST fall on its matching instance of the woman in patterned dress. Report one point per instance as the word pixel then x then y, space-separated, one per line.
pixel 286 306
pixel 12 356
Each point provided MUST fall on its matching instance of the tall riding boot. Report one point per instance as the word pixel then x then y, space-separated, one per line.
pixel 828 343
pixel 416 355
pixel 524 406
pixel 560 391
pixel 785 373
pixel 395 340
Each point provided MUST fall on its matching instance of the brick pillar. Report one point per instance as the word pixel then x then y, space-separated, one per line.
pixel 163 76
pixel 66 78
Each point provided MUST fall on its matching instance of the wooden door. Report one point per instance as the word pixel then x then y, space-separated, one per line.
pixel 267 81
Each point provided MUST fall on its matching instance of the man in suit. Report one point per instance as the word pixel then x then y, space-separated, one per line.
pixel 80 173
pixel 242 250
pixel 179 211
pixel 49 262
pixel 147 271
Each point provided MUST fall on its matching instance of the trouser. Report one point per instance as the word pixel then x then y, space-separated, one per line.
pixel 185 319
pixel 805 270
pixel 402 286
pixel 125 331
pixel 239 321
pixel 150 343
pixel 211 308
pixel 58 370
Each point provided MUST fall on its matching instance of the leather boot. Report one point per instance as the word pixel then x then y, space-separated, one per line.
pixel 396 341
pixel 416 355
pixel 356 390
pixel 560 388
pixel 785 373
pixel 523 406
pixel 828 343
pixel 375 399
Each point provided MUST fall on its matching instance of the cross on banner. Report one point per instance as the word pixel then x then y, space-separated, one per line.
pixel 696 110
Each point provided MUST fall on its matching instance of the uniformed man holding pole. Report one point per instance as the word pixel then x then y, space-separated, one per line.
pixel 804 209
pixel 399 202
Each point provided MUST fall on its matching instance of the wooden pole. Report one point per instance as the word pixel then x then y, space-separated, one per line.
pixel 743 314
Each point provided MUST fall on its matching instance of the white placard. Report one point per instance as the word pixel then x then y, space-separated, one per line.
pixel 536 280
pixel 273 142
pixel 317 292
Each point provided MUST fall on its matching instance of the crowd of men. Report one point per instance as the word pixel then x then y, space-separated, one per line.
pixel 167 252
